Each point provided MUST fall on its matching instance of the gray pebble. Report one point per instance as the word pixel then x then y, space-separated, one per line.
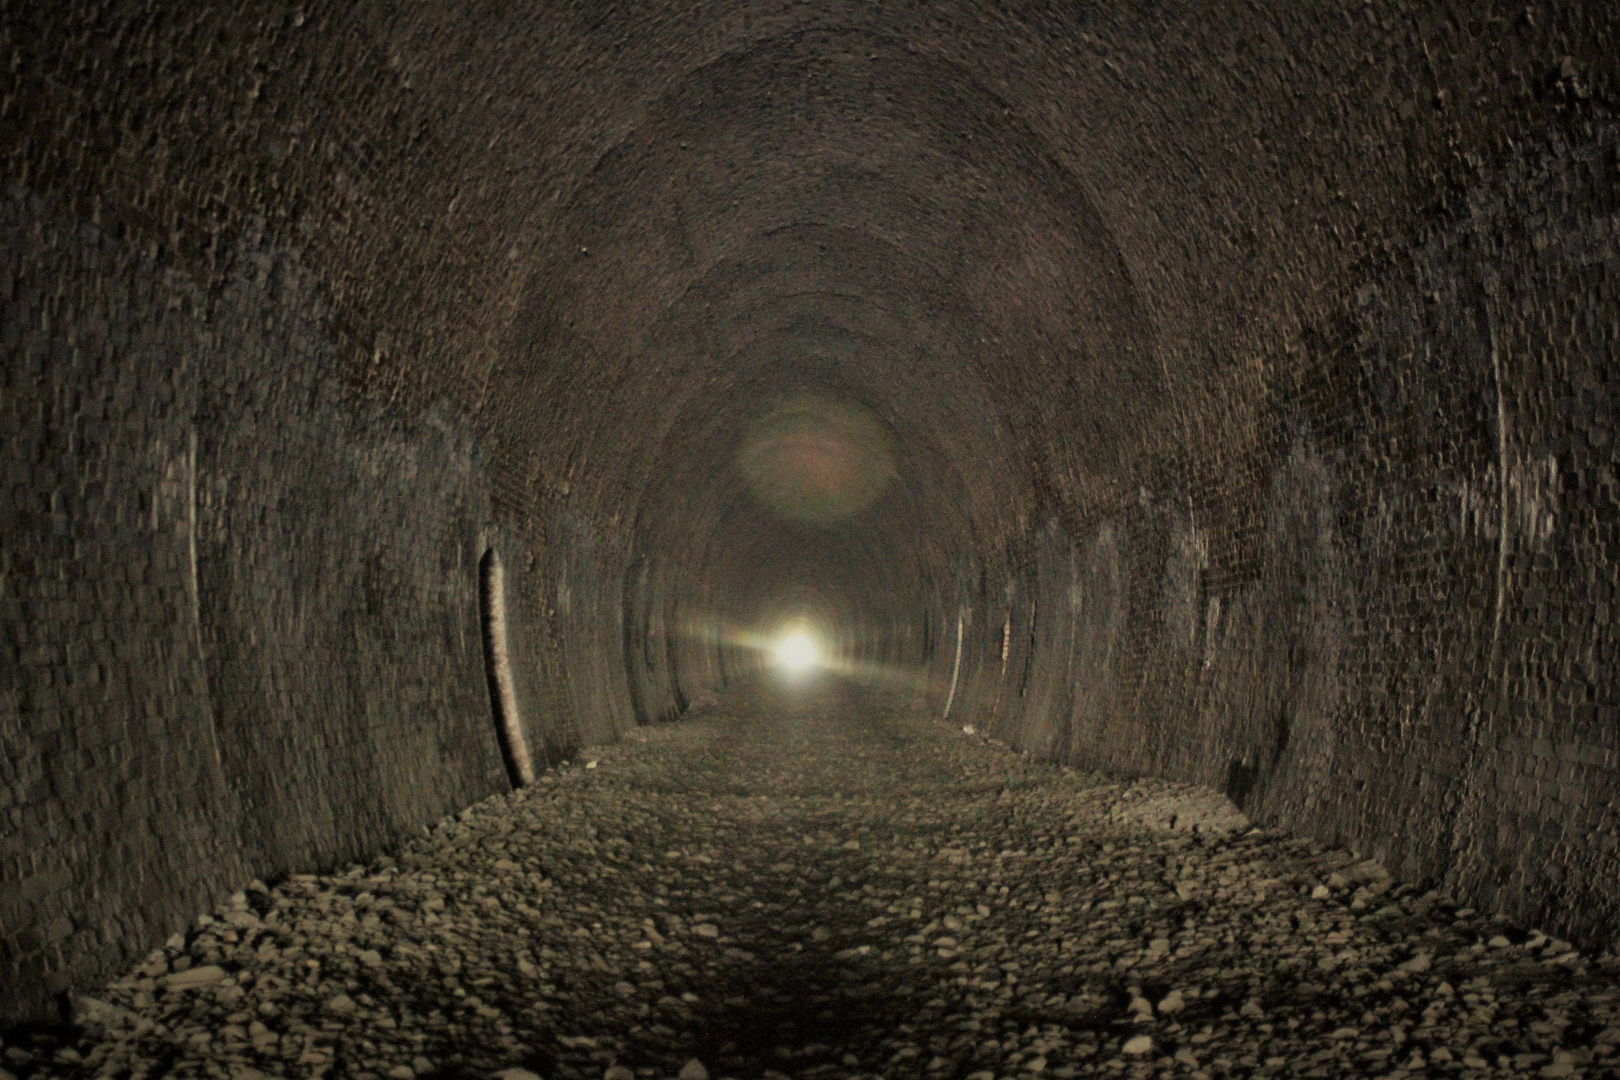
pixel 958 910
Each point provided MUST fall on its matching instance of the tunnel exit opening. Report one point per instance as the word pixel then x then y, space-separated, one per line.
pixel 498 669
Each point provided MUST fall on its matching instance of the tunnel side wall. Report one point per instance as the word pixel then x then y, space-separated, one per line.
pixel 116 803
pixel 1395 631
pixel 241 629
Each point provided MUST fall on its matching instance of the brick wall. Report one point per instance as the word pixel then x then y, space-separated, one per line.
pixel 241 612
pixel 1397 635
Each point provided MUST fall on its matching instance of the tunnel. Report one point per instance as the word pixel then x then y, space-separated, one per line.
pixel 417 417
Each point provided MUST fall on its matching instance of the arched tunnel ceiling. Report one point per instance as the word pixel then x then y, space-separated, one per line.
pixel 984 193
pixel 1055 214
pixel 830 210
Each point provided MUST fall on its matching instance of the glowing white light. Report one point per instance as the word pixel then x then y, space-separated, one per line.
pixel 796 652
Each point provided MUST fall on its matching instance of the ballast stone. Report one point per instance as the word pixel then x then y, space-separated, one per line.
pixel 1000 917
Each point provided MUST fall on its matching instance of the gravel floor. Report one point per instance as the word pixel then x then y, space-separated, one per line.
pixel 829 884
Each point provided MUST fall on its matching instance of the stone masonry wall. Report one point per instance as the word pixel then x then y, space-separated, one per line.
pixel 1396 633
pixel 241 621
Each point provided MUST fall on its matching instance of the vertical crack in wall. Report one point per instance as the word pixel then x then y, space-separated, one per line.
pixel 194 587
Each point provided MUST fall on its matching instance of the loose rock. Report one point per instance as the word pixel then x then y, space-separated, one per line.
pixel 830 884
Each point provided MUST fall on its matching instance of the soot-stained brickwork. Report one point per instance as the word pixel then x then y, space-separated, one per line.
pixel 243 627
pixel 1407 648
pixel 1248 373
pixel 119 817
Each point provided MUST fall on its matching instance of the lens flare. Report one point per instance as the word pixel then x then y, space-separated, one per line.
pixel 796 652
pixel 816 459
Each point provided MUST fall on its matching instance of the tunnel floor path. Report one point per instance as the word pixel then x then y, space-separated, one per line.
pixel 828 882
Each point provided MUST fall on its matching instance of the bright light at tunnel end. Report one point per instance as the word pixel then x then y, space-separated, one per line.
pixel 796 653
